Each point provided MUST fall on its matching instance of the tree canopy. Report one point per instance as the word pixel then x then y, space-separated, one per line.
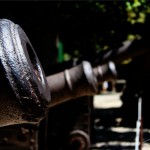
pixel 86 28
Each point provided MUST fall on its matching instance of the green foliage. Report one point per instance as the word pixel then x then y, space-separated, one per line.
pixel 137 11
pixel 67 57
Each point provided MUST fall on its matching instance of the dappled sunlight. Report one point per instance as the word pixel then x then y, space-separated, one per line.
pixel 107 100
pixel 110 133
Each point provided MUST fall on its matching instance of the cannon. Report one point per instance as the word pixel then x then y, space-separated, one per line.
pixel 25 94
pixel 25 91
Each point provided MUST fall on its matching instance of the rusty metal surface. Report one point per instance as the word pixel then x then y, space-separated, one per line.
pixel 25 94
pixel 19 137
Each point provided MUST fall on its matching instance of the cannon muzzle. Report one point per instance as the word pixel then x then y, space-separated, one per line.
pixel 24 93
pixel 82 80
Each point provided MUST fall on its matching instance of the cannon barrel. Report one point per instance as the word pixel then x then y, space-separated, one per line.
pixel 24 92
pixel 82 80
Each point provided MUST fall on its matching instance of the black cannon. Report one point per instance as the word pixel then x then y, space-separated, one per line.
pixel 25 91
pixel 22 76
